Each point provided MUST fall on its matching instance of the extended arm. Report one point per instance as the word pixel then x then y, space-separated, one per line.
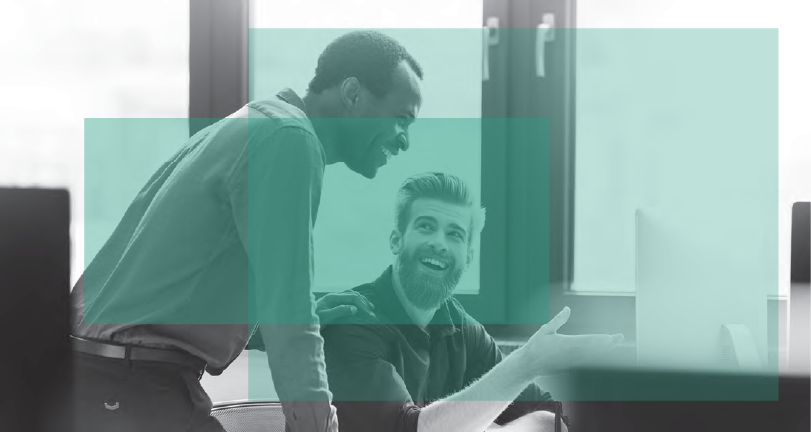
pixel 275 197
pixel 477 406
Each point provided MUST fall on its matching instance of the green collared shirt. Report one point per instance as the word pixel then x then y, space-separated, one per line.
pixel 382 371
pixel 219 239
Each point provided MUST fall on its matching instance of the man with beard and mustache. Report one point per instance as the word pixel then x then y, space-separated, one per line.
pixel 422 363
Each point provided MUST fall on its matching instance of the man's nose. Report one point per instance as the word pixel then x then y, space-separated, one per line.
pixel 437 242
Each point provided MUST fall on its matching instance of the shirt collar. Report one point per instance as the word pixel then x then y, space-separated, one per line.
pixel 442 324
pixel 292 98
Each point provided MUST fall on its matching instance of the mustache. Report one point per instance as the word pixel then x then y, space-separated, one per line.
pixel 423 253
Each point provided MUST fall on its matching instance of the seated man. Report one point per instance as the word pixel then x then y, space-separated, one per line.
pixel 420 363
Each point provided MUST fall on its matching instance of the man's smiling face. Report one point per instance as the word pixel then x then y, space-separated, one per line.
pixel 378 128
pixel 433 251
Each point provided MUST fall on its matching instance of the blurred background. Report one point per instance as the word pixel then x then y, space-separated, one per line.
pixel 65 62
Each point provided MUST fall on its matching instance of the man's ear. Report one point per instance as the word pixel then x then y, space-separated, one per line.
pixel 395 242
pixel 350 93
pixel 469 256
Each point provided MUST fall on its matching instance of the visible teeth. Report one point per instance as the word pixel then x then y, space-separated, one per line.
pixel 437 263
pixel 387 153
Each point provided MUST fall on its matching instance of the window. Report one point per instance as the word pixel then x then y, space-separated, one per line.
pixel 613 172
pixel 356 215
pixel 285 40
pixel 77 60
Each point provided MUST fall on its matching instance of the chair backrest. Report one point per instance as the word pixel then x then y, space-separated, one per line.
pixel 245 416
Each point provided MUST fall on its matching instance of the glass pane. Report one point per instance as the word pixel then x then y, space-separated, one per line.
pixel 81 59
pixel 611 159
pixel 445 38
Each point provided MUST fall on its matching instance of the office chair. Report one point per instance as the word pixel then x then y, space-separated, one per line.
pixel 248 416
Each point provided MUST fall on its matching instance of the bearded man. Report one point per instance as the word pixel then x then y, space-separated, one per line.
pixel 422 363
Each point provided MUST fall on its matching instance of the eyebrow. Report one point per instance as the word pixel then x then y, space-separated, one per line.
pixel 429 218
pixel 432 219
pixel 457 227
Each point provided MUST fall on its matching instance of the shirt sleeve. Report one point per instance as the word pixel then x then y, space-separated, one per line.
pixel 275 189
pixel 483 354
pixel 368 392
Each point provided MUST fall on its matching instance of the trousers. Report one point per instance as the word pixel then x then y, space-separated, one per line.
pixel 124 395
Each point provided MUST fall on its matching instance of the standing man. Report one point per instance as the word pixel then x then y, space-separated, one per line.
pixel 220 240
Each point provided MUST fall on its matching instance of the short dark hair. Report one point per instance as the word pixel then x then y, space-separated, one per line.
pixel 444 187
pixel 368 55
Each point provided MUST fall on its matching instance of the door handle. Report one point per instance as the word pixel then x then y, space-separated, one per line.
pixel 544 34
pixel 489 37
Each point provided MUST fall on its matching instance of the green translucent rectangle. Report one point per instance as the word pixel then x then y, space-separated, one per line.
pixel 689 115
pixel 688 120
pixel 125 157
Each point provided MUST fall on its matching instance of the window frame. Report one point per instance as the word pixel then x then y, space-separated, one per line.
pixel 219 86
pixel 218 60
pixel 506 303
pixel 533 295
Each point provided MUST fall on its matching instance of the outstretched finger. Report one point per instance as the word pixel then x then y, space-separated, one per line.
pixel 557 322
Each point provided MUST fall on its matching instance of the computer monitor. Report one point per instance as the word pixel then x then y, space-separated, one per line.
pixel 34 305
pixel 702 280
pixel 799 337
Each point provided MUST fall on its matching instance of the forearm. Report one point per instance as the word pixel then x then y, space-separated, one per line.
pixel 296 360
pixel 294 347
pixel 477 406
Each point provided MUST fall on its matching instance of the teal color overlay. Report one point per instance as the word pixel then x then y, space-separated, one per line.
pixel 689 119
pixel 676 200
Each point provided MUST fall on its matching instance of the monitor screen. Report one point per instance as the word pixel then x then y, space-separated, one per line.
pixel 800 239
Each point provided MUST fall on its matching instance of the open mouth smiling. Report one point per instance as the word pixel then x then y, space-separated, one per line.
pixel 434 264
pixel 388 153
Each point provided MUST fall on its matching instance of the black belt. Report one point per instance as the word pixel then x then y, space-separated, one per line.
pixel 138 353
